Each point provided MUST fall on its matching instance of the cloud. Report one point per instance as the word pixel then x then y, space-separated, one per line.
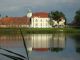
pixel 10 4
pixel 14 5
pixel 17 7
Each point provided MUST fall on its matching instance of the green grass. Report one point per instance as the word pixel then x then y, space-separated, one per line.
pixel 9 31
pixel 50 30
pixel 13 31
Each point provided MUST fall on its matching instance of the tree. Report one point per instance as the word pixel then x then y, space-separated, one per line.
pixel 76 21
pixel 56 16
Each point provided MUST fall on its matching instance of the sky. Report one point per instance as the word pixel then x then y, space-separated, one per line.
pixel 19 7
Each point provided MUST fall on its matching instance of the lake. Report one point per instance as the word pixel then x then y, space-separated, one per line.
pixel 57 46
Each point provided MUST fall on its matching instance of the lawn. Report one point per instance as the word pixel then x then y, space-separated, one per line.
pixel 14 31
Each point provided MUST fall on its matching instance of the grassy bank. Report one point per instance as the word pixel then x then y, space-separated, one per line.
pixel 14 31
pixel 51 30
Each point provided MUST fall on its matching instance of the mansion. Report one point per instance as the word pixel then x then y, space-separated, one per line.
pixel 40 20
pixel 32 20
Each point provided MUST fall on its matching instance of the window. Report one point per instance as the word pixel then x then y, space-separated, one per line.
pixel 41 24
pixel 36 24
pixel 46 20
pixel 33 21
pixel 41 20
pixel 36 20
pixel 46 24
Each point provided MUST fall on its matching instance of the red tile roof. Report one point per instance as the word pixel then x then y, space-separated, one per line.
pixel 15 20
pixel 40 14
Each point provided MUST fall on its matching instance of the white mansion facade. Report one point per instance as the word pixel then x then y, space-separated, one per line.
pixel 40 22
pixel 38 19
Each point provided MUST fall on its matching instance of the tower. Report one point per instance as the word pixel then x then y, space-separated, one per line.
pixel 29 13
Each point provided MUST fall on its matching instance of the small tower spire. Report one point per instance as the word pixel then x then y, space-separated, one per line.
pixel 29 13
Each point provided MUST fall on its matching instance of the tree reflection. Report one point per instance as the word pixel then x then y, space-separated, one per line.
pixel 78 45
pixel 76 37
pixel 57 43
pixel 55 49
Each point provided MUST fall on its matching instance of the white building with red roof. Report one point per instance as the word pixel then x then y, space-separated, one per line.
pixel 39 19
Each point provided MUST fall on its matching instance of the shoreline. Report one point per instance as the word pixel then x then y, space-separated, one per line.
pixel 38 30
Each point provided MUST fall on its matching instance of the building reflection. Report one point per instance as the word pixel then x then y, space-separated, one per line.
pixel 45 42
pixel 36 42
pixel 11 41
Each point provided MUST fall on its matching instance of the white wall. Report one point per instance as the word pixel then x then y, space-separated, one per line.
pixel 37 22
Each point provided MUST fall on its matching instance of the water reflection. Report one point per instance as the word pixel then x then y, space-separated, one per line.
pixel 77 42
pixel 57 42
pixel 37 42
pixel 10 41
pixel 45 42
pixel 43 46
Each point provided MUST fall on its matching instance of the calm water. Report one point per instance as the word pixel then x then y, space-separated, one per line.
pixel 58 46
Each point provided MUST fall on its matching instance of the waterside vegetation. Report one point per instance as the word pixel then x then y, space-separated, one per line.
pixel 16 31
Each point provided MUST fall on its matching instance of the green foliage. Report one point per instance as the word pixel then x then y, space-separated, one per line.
pixel 56 15
pixel 15 31
pixel 50 22
pixel 77 18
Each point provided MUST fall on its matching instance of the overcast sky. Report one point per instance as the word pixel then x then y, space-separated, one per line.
pixel 19 7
